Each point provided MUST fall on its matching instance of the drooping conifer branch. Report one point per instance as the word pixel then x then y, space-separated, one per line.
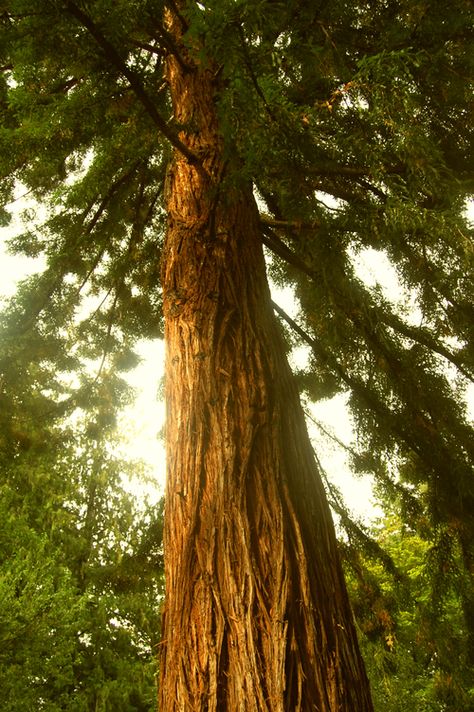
pixel 357 532
pixel 116 60
pixel 279 248
pixel 418 334
pixel 253 78
pixel 400 490
pixel 393 420
pixel 413 428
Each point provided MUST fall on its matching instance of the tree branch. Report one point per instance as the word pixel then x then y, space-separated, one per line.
pixel 278 247
pixel 170 45
pixel 351 171
pixel 253 78
pixel 150 48
pixel 116 60
pixel 292 224
pixel 418 439
pixel 423 337
pixel 355 529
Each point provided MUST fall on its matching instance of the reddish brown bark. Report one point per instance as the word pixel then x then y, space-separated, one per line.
pixel 256 612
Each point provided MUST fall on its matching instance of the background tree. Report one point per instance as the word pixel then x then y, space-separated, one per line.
pixel 351 125
pixel 410 614
pixel 80 559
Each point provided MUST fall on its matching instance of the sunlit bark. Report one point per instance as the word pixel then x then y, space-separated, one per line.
pixel 256 615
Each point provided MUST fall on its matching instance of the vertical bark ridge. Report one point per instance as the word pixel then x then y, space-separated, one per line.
pixel 256 614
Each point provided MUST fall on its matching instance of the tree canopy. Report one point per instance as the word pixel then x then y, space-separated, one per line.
pixel 351 122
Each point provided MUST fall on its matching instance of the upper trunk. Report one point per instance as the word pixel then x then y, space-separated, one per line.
pixel 256 614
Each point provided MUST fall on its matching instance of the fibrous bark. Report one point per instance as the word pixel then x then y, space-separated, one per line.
pixel 256 614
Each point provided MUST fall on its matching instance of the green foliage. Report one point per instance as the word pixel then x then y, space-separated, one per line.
pixel 412 632
pixel 351 120
pixel 40 617
pixel 80 559
pixel 80 585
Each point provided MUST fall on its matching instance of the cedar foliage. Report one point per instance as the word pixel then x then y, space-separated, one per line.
pixel 351 120
pixel 80 558
pixel 412 632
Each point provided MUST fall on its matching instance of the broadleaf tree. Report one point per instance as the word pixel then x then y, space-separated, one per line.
pixel 171 146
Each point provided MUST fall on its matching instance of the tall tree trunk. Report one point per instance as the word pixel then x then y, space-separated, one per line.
pixel 256 614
